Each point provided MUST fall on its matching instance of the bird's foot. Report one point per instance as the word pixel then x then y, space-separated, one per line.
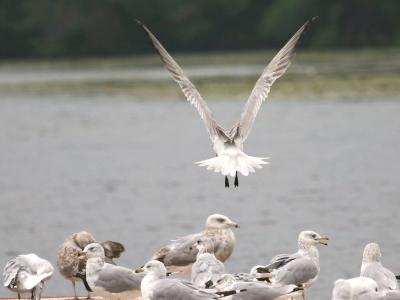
pixel 236 180
pixel 226 182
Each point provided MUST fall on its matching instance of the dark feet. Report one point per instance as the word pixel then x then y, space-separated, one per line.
pixel 226 182
pixel 236 180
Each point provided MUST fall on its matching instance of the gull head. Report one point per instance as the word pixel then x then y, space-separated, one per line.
pixel 217 221
pixel 309 237
pixel 155 268
pixel 205 245
pixel 372 253
pixel 92 250
pixel 83 238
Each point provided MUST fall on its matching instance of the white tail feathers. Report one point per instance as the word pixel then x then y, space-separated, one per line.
pixel 228 163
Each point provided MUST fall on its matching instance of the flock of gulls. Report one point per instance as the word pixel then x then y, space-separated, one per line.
pixel 202 255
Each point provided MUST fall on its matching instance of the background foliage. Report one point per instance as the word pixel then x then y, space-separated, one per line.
pixel 76 28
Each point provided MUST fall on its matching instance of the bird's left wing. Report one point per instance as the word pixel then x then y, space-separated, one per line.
pixel 275 69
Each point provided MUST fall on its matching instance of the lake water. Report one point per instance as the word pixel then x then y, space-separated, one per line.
pixel 124 170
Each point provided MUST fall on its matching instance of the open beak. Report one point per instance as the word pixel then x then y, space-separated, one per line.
pixel 81 254
pixel 140 270
pixel 323 240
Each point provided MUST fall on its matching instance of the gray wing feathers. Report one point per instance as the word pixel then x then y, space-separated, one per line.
pixel 115 279
pixel 298 272
pixel 383 276
pixel 10 273
pixel 173 289
pixel 180 252
pixel 187 87
pixel 275 69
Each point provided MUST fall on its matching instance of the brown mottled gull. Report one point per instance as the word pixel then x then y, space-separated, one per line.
pixel 71 266
pixel 181 254
pixel 228 144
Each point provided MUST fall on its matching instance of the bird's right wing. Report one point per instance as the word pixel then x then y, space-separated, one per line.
pixel 187 87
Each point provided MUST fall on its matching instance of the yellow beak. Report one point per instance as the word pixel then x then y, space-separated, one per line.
pixel 139 270
pixel 323 240
pixel 81 254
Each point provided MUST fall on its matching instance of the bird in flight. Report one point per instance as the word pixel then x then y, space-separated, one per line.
pixel 228 144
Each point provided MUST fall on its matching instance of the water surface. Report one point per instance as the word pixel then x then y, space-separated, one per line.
pixel 124 171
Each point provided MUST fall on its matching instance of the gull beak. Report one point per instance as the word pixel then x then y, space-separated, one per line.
pixel 140 270
pixel 233 225
pixel 323 240
pixel 81 254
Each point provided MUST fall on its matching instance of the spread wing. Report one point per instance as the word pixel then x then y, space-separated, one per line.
pixel 275 69
pixel 187 87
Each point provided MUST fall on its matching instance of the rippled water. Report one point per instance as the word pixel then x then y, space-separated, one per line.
pixel 124 171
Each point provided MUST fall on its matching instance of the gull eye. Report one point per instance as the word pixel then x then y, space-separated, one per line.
pixel 313 235
pixel 221 220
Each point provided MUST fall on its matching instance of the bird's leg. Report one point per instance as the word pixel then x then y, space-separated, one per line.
pixel 88 296
pixel 73 284
pixel 32 291
pixel 226 182
pixel 19 296
pixel 236 180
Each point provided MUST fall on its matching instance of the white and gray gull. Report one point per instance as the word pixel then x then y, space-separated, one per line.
pixel 372 267
pixel 71 266
pixel 228 144
pixel 107 280
pixel 180 254
pixel 301 268
pixel 156 286
pixel 27 273
pixel 207 267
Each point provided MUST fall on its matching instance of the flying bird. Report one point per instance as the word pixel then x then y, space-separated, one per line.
pixel 230 158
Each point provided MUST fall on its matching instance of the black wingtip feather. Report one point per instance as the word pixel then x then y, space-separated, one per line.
pixel 398 277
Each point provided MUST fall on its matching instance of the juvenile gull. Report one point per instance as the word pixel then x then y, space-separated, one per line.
pixel 228 144
pixel 73 268
pixel 207 267
pixel 27 273
pixel 107 280
pixel 180 254
pixel 372 267
pixel 301 268
pixel 155 286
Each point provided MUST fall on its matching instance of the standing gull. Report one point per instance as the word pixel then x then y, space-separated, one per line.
pixel 107 280
pixel 301 268
pixel 27 273
pixel 228 144
pixel 207 267
pixel 155 286
pixel 180 254
pixel 372 267
pixel 73 268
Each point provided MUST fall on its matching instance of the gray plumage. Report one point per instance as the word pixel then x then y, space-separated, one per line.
pixel 108 280
pixel 207 267
pixel 228 144
pixel 27 273
pixel 155 286
pixel 68 262
pixel 372 267
pixel 301 268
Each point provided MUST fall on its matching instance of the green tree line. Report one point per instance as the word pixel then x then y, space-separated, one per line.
pixel 79 28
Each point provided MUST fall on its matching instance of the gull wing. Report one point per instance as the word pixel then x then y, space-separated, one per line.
pixel 187 87
pixel 275 69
